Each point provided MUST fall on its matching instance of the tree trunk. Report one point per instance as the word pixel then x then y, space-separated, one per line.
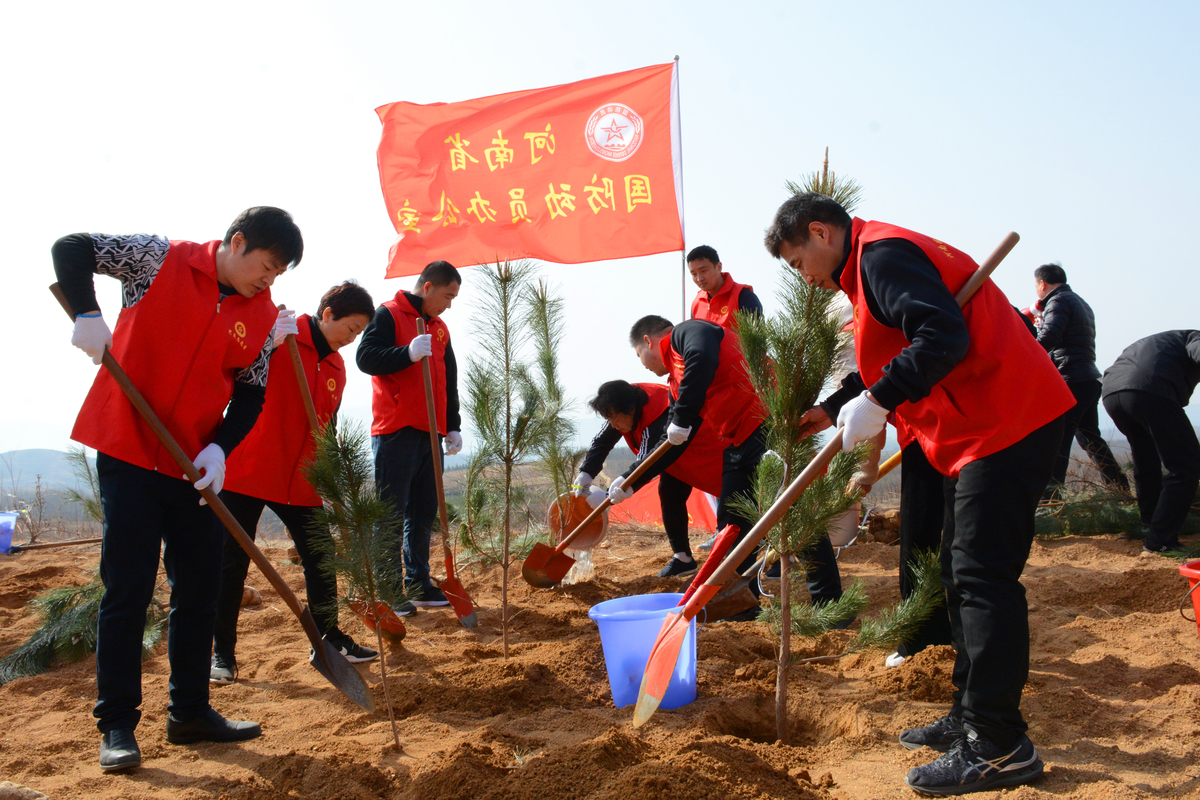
pixel 785 652
pixel 504 567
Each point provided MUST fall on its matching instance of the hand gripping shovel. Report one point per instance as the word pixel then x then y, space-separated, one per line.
pixel 546 566
pixel 967 291
pixel 452 587
pixel 391 626
pixel 327 660
pixel 665 651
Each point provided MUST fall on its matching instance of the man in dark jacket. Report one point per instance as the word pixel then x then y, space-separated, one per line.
pixel 1145 391
pixel 1068 333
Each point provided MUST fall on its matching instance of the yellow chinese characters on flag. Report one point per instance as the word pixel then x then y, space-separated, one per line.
pixel 585 171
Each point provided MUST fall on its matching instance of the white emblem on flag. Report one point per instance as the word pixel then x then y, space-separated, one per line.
pixel 614 132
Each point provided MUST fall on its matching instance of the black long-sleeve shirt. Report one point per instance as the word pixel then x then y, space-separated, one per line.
pixel 1166 364
pixel 608 437
pixel 378 354
pixel 135 261
pixel 904 290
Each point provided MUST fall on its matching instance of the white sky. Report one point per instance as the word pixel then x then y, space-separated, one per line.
pixel 1071 123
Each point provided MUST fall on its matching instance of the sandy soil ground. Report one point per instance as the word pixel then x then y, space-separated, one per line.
pixel 1113 698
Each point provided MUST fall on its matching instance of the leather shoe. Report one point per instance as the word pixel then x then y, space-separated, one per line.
pixel 119 750
pixel 210 727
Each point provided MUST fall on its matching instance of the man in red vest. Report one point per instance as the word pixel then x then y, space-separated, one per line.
pixel 986 404
pixel 391 351
pixel 720 296
pixel 638 412
pixel 194 336
pixel 267 471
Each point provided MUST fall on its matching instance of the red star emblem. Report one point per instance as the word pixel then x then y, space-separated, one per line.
pixel 614 130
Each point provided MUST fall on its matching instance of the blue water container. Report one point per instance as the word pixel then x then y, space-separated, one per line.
pixel 628 628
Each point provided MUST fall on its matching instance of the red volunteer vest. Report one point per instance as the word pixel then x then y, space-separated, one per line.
pixel 398 400
pixel 269 463
pixel 703 461
pixel 721 308
pixel 731 406
pixel 1004 388
pixel 182 349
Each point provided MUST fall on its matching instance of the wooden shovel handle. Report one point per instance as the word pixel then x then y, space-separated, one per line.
pixel 193 475
pixel 436 451
pixel 305 394
pixel 596 512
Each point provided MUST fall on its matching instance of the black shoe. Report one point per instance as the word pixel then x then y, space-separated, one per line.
pixel 119 750
pixel 711 541
pixel 210 727
pixel 354 652
pixel 1162 548
pixel 677 569
pixel 431 597
pixel 977 765
pixel 223 670
pixel 941 735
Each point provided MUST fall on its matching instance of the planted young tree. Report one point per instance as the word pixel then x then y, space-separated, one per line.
pixel 516 404
pixel 365 549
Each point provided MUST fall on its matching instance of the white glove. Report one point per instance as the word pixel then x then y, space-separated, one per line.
pixel 420 347
pixel 92 335
pixel 617 493
pixel 596 497
pixel 860 419
pixel 677 435
pixel 582 486
pixel 211 462
pixel 453 443
pixel 285 323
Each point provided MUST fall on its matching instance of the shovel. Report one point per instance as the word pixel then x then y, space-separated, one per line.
pixel 546 566
pixel 326 658
pixel 452 587
pixel 967 291
pixel 390 625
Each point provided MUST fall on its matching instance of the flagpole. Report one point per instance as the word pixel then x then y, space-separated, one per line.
pixel 682 230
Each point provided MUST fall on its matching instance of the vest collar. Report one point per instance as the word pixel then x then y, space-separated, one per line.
pixel 726 287
pixel 851 244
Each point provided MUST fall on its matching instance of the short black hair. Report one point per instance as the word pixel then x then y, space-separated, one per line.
pixel 1051 273
pixel 618 397
pixel 345 299
pixel 797 213
pixel 271 229
pixel 703 251
pixel 648 326
pixel 439 273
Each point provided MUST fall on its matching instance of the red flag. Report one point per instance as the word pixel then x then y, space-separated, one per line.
pixel 584 171
pixel 644 509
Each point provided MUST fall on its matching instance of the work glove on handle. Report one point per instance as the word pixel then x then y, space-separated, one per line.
pixel 211 462
pixel 92 336
pixel 453 443
pixel 285 324
pixel 595 497
pixel 677 435
pixel 420 347
pixel 617 493
pixel 860 419
pixel 582 487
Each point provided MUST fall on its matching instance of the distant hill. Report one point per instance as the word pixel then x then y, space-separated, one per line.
pixel 21 467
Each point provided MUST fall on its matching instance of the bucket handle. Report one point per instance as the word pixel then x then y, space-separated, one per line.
pixel 1183 602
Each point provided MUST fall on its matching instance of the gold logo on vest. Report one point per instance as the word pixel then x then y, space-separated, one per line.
pixel 332 384
pixel 724 309
pixel 239 333
pixel 441 334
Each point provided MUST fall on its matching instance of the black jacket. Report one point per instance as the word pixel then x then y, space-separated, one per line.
pixel 1166 364
pixel 1068 333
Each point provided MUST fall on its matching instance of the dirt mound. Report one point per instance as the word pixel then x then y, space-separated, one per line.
pixel 926 676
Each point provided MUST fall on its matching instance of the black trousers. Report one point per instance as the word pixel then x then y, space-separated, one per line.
pixel 1161 437
pixel 984 549
pixel 922 514
pixel 404 475
pixel 1082 424
pixel 320 585
pixel 673 495
pixel 145 513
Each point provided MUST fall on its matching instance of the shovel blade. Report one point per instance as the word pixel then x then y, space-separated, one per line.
pixel 734 598
pixel 464 609
pixel 328 661
pixel 660 667
pixel 543 567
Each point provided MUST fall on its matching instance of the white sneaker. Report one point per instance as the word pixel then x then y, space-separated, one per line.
pixel 894 660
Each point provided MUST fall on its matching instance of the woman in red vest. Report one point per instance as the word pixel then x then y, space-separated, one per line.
pixel 194 336
pixel 268 469
pixel 986 404
pixel 637 412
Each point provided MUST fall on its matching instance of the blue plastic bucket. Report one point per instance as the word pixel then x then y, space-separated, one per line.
pixel 628 628
pixel 8 521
